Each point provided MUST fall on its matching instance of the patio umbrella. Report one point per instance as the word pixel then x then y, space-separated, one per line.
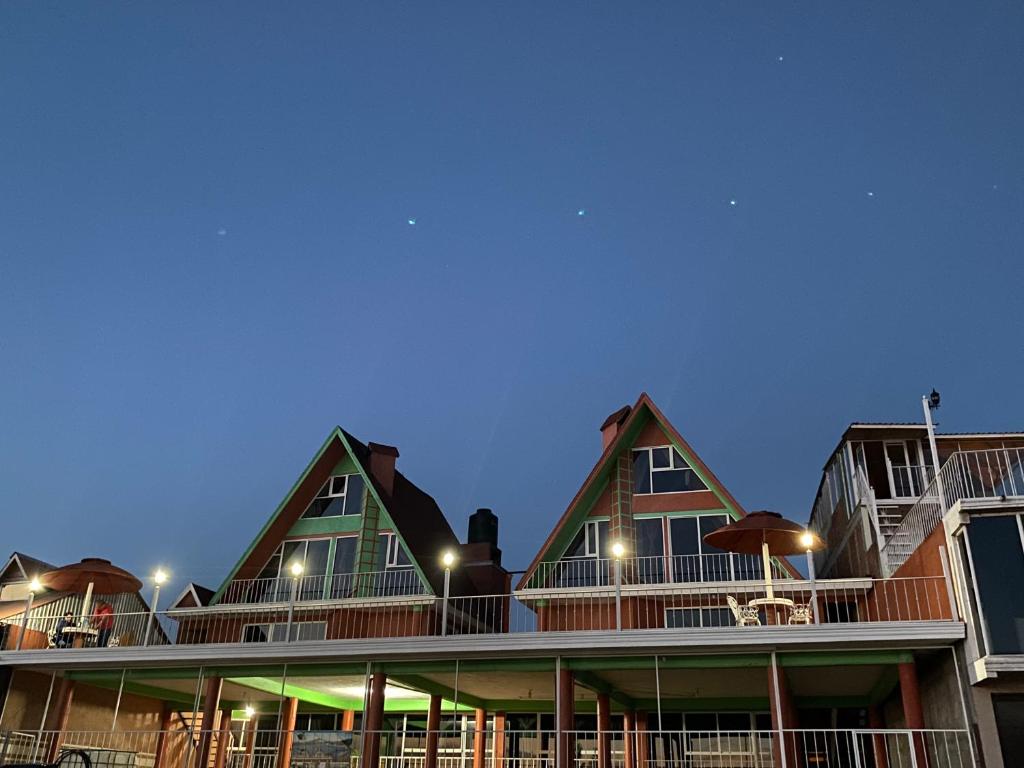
pixel 767 533
pixel 92 575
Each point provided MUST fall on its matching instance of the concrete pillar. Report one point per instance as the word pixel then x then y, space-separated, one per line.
pixel 65 694
pixel 374 721
pixel 877 721
pixel 211 703
pixel 640 725
pixel 160 756
pixel 629 739
pixel 498 745
pixel 220 758
pixel 565 718
pixel 910 694
pixel 250 742
pixel 348 720
pixel 433 731
pixel 479 737
pixel 604 727
pixel 289 712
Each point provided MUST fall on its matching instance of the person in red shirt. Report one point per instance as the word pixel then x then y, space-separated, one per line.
pixel 103 622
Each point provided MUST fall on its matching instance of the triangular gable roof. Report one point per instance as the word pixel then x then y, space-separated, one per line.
pixel 418 521
pixel 629 429
pixel 28 567
pixel 193 596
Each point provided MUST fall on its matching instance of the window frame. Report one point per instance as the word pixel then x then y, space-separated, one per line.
pixel 270 625
pixel 344 496
pixel 651 469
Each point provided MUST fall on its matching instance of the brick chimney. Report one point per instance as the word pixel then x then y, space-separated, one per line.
pixel 382 465
pixel 480 556
pixel 610 428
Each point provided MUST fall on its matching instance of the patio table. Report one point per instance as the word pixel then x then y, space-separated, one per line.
pixel 79 635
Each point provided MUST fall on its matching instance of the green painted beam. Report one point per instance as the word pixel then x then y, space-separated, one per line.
pixel 596 683
pixel 731 661
pixel 729 704
pixel 428 686
pixel 468 665
pixel 269 685
pixel 886 684
pixel 843 658
pixel 162 673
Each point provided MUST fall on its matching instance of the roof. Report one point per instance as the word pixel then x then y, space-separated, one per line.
pixel 630 417
pixel 30 567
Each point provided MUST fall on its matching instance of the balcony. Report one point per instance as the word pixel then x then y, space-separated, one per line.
pixel 242 747
pixel 395 582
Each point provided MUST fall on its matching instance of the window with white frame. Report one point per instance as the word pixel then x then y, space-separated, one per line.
pixel 275 581
pixel 663 470
pixel 276 633
pixel 340 495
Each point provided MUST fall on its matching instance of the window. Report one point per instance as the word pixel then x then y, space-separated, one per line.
pixel 585 562
pixel 340 495
pixel 275 581
pixel 693 559
pixel 663 470
pixel 394 574
pixel 904 474
pixel 650 550
pixel 276 633
pixel 685 618
pixel 342 574
pixel 998 564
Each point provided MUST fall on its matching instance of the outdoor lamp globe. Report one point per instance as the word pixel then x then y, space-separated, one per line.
pixel 448 559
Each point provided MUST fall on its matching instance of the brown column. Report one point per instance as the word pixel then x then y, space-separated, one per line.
pixel 374 721
pixel 433 731
pixel 62 711
pixel 641 739
pixel 498 746
pixel 604 727
pixel 250 742
pixel 348 720
pixel 783 713
pixel 912 711
pixel 479 738
pixel 629 739
pixel 223 739
pixel 876 721
pixel 289 712
pixel 160 758
pixel 211 703
pixel 566 718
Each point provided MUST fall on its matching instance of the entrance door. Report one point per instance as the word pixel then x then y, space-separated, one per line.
pixel 904 473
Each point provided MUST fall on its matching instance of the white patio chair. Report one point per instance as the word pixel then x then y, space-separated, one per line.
pixel 800 614
pixel 744 614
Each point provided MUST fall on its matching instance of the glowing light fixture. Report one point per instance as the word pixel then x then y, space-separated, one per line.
pixel 160 576
pixel 296 569
pixel 448 558
pixel 34 585
pixel 618 550
pixel 249 712
pixel 807 540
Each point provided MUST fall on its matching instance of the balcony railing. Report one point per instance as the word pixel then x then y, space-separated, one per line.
pixel 580 572
pixel 967 475
pixel 796 748
pixel 740 606
pixel 394 582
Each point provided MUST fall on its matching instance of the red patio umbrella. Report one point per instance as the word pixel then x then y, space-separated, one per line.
pixel 91 575
pixel 766 533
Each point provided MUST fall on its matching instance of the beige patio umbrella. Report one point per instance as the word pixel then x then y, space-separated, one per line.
pixel 91 575
pixel 766 533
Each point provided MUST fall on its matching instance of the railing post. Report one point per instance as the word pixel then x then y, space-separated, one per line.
pixel 814 586
pixel 618 593
pixel 24 619
pixel 444 603
pixel 291 610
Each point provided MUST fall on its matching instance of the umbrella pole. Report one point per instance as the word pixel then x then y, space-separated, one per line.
pixel 86 602
pixel 767 562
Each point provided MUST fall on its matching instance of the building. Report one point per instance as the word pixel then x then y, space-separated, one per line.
pixel 356 628
pixel 892 506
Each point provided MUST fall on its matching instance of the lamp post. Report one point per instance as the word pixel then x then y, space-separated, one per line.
pixel 807 542
pixel 296 569
pixel 33 587
pixel 159 578
pixel 618 550
pixel 448 560
pixel 930 403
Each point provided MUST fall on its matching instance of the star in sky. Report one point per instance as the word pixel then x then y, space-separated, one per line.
pixel 581 212
pixel 871 194
pixel 780 58
pixel 222 231
pixel 412 222
pixel 732 202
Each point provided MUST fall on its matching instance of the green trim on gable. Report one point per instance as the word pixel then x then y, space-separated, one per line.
pixel 326 526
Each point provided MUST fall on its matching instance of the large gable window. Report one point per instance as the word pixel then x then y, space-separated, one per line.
pixel 663 470
pixel 340 495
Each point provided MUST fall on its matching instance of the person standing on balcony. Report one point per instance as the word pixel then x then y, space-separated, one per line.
pixel 103 623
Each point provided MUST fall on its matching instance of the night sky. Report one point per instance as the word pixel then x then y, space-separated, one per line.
pixel 473 230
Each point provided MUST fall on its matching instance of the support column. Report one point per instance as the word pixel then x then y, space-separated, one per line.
pixel 348 720
pixel 641 739
pixel 223 739
pixel 783 713
pixel 433 731
pixel 288 714
pixel 604 727
pixel 65 694
pixel 479 737
pixel 250 742
pixel 629 738
pixel 160 758
pixel 374 721
pixel 566 718
pixel 913 714
pixel 211 703
pixel 498 746
pixel 877 722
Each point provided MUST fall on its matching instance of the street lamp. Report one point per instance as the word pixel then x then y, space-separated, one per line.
pixel 33 587
pixel 618 551
pixel 930 403
pixel 807 541
pixel 447 560
pixel 159 578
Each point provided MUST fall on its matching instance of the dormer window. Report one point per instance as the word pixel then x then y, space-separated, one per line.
pixel 663 470
pixel 340 495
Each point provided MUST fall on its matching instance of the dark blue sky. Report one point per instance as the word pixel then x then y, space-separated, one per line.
pixel 205 260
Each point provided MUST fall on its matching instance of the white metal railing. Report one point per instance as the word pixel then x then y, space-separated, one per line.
pixel 988 474
pixel 582 572
pixel 633 607
pixel 388 583
pixel 796 748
